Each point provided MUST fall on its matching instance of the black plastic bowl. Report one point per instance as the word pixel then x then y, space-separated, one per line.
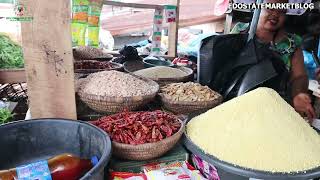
pixel 154 62
pixel 24 142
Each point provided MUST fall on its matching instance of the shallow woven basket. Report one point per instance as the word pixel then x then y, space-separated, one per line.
pixel 187 107
pixel 186 78
pixel 116 66
pixel 146 151
pixel 108 104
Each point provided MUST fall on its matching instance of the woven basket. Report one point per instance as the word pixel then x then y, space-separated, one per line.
pixel 146 151
pixel 187 107
pixel 186 78
pixel 107 104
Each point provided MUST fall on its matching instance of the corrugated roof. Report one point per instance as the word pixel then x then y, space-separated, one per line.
pixel 192 12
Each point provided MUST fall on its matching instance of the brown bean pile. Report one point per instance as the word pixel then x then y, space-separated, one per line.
pixel 139 127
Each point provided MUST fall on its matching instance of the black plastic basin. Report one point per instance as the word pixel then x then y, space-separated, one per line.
pixel 154 62
pixel 24 142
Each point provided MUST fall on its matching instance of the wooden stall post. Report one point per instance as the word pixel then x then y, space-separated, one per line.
pixel 173 32
pixel 47 51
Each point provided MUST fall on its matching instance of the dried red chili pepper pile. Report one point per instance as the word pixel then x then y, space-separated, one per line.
pixel 139 127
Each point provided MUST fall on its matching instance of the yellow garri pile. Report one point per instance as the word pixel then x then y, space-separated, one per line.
pixel 257 130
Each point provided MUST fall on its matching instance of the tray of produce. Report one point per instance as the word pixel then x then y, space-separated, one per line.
pixel 142 135
pixel 113 91
pixel 92 66
pixel 165 75
pixel 185 98
pixel 256 135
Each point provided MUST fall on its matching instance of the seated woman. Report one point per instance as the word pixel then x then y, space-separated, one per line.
pixel 270 30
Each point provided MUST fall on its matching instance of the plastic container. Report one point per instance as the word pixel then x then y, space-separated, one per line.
pixel 24 142
pixel 231 172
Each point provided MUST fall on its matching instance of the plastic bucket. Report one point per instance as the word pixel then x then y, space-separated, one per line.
pixel 27 141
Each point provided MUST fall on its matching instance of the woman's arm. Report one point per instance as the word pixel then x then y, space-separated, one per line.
pixel 298 78
pixel 299 86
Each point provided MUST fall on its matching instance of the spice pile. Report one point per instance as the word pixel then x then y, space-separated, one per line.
pixel 88 52
pixel 189 92
pixel 258 130
pixel 116 84
pixel 139 127
pixel 160 72
pixel 91 64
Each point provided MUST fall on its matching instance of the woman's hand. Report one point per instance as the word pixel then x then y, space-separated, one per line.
pixel 302 104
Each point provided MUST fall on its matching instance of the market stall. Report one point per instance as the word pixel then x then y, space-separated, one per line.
pixel 146 120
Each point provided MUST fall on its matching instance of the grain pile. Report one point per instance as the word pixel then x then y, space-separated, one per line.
pixel 116 84
pixel 161 72
pixel 258 130
pixel 193 92
pixel 88 52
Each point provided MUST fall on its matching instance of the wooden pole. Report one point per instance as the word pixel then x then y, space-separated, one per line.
pixel 132 5
pixel 173 32
pixel 48 58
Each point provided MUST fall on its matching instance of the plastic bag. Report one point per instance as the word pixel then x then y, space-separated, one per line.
pixel 172 171
pixel 208 170
pixel 93 36
pixel 94 13
pixel 80 11
pixel 106 40
pixel 126 176
pixel 78 32
pixel 79 22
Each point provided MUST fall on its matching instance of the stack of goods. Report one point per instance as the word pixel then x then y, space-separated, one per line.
pixel 94 11
pixel 172 171
pixel 79 22
pixel 113 91
pixel 177 153
pixel 188 97
pixel 162 171
pixel 85 19
pixel 259 131
pixel 159 130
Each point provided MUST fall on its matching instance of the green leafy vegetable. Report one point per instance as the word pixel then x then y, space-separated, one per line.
pixel 10 53
pixel 5 115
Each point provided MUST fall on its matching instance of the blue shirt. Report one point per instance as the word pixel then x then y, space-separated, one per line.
pixel 309 63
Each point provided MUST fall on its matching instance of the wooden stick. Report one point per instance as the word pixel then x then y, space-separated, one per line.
pixel 48 59
pixel 173 33
pixel 133 5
